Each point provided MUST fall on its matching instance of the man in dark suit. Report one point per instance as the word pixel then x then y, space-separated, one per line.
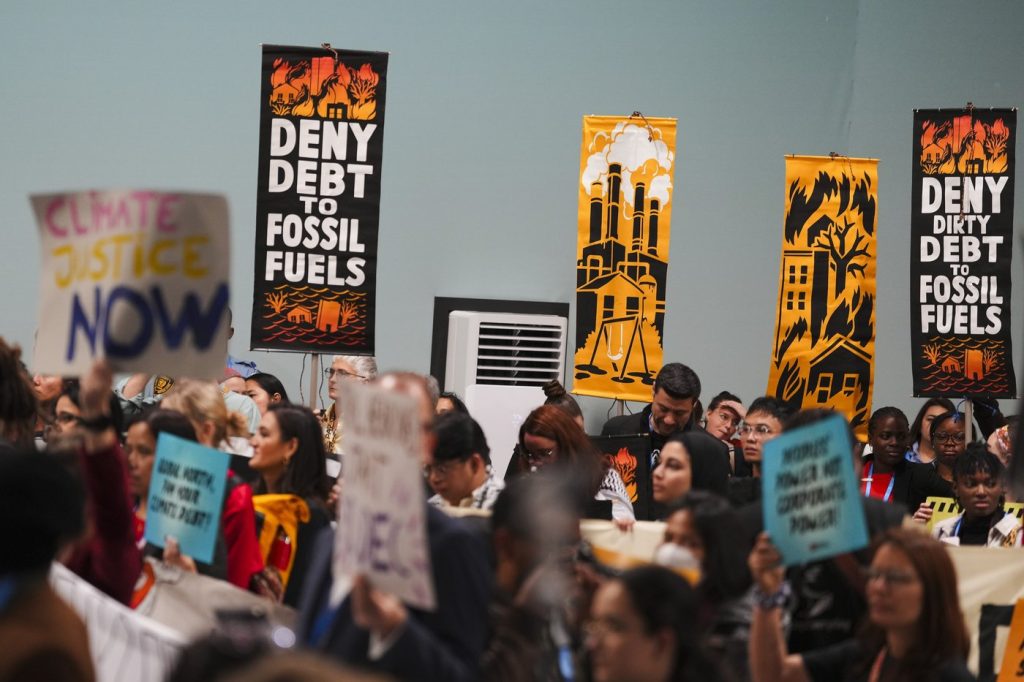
pixel 373 629
pixel 676 391
pixel 675 395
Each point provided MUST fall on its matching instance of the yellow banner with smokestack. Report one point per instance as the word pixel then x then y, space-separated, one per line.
pixel 824 349
pixel 625 209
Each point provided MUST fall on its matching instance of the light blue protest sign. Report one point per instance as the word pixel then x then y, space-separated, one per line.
pixel 186 493
pixel 812 509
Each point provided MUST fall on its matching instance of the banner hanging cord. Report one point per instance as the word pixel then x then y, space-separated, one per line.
pixel 650 129
pixel 849 163
pixel 302 371
pixel 327 46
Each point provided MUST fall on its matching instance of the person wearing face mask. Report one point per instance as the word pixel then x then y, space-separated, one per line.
pixel 886 474
pixel 980 489
pixel 709 529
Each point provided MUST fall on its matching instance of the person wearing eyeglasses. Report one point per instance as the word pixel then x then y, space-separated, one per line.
pixel 343 368
pixel 949 439
pixel 549 436
pixel 763 422
pixel 459 468
pixel 980 490
pixel 724 415
pixel 915 627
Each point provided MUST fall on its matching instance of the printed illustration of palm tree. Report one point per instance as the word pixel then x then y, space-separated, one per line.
pixel 845 258
pixel 931 352
pixel 277 302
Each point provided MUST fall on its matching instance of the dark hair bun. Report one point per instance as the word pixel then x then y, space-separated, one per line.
pixel 553 390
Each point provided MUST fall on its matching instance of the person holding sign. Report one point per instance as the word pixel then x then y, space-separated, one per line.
pixel 140 450
pixel 915 630
pixel 203 404
pixel 361 623
pixel 288 453
pixel 108 557
pixel 886 474
pixel 980 489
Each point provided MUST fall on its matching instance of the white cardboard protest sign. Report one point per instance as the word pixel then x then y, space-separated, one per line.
pixel 382 524
pixel 137 277
pixel 124 645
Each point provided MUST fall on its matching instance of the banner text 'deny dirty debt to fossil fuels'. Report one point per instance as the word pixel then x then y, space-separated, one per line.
pixel 961 247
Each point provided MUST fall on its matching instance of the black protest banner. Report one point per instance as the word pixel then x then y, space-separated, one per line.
pixel 318 199
pixel 630 455
pixel 961 228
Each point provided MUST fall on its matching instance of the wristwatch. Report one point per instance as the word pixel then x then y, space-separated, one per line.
pixel 772 601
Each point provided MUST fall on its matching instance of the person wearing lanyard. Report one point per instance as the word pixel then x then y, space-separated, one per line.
pixel 886 474
pixel 978 482
pixel 914 629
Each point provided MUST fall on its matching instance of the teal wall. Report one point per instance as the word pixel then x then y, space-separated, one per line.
pixel 482 140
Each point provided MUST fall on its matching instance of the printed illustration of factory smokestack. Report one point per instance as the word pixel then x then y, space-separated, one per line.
pixel 596 211
pixel 614 183
pixel 638 218
pixel 652 227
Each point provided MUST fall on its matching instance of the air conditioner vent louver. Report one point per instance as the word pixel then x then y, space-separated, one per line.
pixel 504 349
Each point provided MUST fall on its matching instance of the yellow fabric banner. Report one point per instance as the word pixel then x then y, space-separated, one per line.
pixel 824 350
pixel 625 208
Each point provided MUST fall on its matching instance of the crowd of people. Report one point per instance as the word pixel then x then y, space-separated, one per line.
pixel 521 594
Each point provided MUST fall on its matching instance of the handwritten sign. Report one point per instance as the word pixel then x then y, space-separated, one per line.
pixel 811 506
pixel 186 493
pixel 382 512
pixel 137 277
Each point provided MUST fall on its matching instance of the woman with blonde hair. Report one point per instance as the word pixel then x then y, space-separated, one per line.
pixel 203 403
pixel 216 426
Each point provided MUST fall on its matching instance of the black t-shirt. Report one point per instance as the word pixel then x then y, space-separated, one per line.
pixel 849 662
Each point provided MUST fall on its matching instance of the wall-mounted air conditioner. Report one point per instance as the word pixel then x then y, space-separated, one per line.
pixel 497 362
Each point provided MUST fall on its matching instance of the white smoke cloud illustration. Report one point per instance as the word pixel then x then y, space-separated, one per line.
pixel 630 147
